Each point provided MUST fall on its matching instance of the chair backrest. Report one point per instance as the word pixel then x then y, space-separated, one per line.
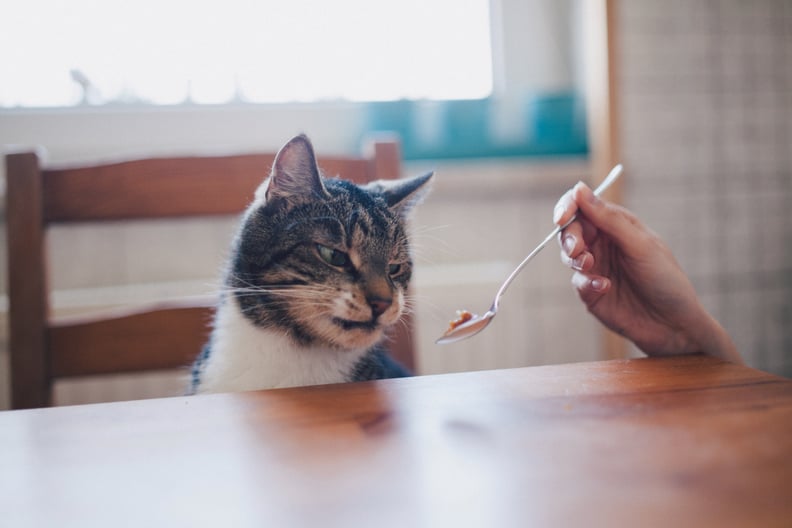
pixel 163 336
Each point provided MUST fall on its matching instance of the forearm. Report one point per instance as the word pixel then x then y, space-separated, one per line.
pixel 712 339
pixel 692 331
pixel 720 344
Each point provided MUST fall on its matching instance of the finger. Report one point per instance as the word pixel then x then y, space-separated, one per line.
pixel 614 220
pixel 564 208
pixel 590 287
pixel 589 231
pixel 583 262
pixel 571 239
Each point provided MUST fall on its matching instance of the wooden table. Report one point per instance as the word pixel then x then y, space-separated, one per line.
pixel 673 442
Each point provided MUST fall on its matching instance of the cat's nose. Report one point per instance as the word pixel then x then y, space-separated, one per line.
pixel 379 305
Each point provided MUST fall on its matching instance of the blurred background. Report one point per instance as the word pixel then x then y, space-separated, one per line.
pixel 510 102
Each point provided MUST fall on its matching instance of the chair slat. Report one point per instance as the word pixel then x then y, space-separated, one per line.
pixel 144 189
pixel 152 338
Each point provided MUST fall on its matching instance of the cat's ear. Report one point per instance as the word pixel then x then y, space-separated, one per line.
pixel 402 195
pixel 295 175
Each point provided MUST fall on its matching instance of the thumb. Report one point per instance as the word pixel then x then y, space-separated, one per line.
pixel 615 221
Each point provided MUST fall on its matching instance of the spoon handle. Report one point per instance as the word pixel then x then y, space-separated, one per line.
pixel 613 175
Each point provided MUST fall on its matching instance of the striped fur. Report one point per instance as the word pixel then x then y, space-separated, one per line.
pixel 318 272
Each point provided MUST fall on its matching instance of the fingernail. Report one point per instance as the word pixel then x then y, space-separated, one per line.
pixel 599 284
pixel 579 262
pixel 558 212
pixel 569 244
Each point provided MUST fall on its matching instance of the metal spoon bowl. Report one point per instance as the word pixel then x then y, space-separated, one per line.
pixel 477 323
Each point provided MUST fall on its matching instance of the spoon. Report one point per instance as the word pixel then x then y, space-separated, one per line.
pixel 467 324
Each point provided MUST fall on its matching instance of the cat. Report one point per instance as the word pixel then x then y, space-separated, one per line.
pixel 318 272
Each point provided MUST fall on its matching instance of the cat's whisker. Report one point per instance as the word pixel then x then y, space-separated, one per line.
pixel 422 253
pixel 424 238
pixel 284 296
pixel 427 228
pixel 306 291
pixel 427 303
pixel 420 297
pixel 243 280
pixel 402 322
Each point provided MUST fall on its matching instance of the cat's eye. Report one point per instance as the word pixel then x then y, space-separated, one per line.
pixel 332 256
pixel 394 269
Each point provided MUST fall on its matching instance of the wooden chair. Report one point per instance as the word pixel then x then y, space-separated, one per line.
pixel 164 336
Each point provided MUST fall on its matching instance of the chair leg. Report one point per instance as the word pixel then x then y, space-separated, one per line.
pixel 27 292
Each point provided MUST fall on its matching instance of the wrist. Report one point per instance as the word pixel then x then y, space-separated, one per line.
pixel 712 339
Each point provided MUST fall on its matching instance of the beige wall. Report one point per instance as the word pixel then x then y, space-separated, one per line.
pixel 706 133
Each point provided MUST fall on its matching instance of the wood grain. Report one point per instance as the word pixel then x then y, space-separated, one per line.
pixel 153 337
pixel 690 441
pixel 27 281
pixel 172 187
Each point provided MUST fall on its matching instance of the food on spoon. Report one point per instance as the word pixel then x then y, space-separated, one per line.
pixel 463 316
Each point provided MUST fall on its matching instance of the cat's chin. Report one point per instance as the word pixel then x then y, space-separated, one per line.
pixel 366 326
pixel 357 334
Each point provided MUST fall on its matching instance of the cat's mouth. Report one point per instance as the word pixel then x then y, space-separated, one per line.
pixel 346 324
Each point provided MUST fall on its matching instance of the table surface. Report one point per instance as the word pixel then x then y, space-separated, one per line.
pixel 688 441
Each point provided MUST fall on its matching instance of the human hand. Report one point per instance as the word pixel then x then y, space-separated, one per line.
pixel 628 278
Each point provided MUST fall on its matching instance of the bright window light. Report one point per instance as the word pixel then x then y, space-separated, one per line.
pixel 260 51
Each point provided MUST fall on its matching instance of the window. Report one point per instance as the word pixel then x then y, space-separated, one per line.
pixel 64 53
pixel 455 78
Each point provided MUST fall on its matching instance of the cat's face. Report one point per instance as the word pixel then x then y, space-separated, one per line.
pixel 326 261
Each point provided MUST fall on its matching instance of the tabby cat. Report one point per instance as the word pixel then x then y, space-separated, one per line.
pixel 318 272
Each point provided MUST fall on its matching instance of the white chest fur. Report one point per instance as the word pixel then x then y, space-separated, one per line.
pixel 246 357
